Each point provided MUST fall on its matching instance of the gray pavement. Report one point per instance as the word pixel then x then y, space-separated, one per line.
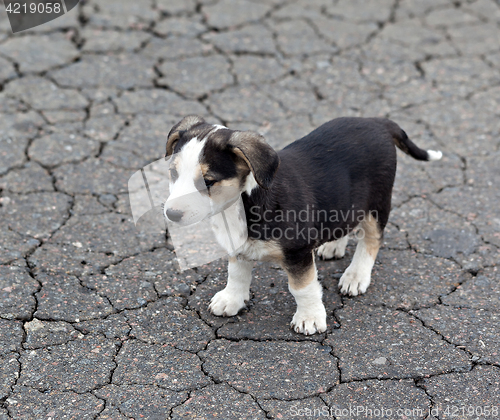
pixel 95 320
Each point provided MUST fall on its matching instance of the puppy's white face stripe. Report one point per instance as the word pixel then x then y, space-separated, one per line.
pixel 188 168
pixel 184 196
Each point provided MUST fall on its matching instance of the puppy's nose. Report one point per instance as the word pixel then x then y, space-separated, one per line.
pixel 174 215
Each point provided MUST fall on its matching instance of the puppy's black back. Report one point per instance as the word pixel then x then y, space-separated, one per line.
pixel 349 163
pixel 346 166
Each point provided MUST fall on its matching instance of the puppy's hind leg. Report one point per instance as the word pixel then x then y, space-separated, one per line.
pixel 231 299
pixel 303 283
pixel 333 249
pixel 357 276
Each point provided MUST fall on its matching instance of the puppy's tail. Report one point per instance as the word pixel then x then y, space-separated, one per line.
pixel 406 145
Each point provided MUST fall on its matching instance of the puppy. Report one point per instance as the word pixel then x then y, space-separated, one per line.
pixel 312 194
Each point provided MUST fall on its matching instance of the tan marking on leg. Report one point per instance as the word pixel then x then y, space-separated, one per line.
pixel 372 235
pixel 357 276
pixel 299 280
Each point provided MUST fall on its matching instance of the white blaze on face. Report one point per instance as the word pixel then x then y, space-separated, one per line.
pixel 187 163
pixel 184 196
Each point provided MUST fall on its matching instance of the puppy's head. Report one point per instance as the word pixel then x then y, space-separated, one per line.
pixel 211 166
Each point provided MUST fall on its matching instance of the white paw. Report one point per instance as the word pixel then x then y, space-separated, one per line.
pixel 226 303
pixel 354 282
pixel 309 321
pixel 334 249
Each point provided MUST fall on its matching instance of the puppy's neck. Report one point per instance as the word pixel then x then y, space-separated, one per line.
pixel 230 227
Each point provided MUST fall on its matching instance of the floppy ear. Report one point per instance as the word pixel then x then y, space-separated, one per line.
pixel 175 133
pixel 261 158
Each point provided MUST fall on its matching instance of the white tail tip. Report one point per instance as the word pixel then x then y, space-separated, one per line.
pixel 434 155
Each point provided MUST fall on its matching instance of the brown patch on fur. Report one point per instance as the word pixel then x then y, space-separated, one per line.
pixel 256 250
pixel 372 235
pixel 232 182
pixel 171 142
pixel 236 182
pixel 274 252
pixel 242 156
pixel 243 170
pixel 204 169
pixel 300 279
pixel 225 190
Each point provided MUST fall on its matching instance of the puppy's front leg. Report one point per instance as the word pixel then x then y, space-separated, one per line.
pixel 230 300
pixel 307 291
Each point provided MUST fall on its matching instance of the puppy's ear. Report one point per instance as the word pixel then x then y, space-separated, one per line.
pixel 175 133
pixel 261 158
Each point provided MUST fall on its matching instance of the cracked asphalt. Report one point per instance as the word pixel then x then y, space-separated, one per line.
pixel 95 320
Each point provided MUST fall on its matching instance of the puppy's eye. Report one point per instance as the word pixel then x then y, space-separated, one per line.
pixel 209 182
